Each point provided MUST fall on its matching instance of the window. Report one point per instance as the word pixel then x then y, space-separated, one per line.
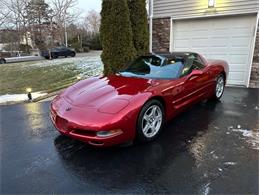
pixel 154 67
pixel 193 62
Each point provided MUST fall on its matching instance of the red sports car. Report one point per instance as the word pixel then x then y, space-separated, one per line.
pixel 135 102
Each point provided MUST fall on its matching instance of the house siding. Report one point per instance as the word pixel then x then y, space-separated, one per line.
pixel 165 10
pixel 178 9
pixel 254 77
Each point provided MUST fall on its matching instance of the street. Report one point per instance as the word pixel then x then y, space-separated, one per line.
pixel 210 148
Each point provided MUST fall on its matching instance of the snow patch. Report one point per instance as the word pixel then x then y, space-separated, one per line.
pixel 19 97
pixel 251 137
pixel 230 163
pixel 205 189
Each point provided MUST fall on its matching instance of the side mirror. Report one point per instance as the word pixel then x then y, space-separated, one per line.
pixel 195 73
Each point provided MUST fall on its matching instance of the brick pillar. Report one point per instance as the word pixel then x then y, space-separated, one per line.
pixel 254 77
pixel 161 34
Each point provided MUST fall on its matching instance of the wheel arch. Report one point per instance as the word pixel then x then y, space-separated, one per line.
pixel 161 100
pixel 4 60
pixel 225 75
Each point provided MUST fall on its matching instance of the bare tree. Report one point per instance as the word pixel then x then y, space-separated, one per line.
pixel 4 14
pixel 12 17
pixel 64 13
pixel 92 21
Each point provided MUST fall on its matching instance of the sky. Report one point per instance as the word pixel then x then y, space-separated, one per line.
pixel 87 5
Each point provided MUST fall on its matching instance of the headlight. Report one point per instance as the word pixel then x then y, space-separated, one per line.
pixel 109 133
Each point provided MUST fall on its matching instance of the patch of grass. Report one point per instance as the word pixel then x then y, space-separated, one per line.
pixel 15 78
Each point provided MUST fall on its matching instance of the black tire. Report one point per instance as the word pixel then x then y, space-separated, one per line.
pixel 2 61
pixel 217 96
pixel 54 56
pixel 73 54
pixel 140 136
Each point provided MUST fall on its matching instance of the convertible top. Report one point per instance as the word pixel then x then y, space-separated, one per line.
pixel 169 54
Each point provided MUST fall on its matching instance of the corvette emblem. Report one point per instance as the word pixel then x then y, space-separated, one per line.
pixel 68 109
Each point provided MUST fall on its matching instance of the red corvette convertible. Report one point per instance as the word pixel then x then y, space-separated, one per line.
pixel 135 102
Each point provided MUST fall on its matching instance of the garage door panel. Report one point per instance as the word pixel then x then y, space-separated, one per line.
pixel 182 43
pixel 240 42
pixel 182 34
pixel 235 78
pixel 219 56
pixel 218 50
pixel 219 41
pixel 236 67
pixel 238 50
pixel 227 38
pixel 199 42
pixel 238 59
pixel 239 31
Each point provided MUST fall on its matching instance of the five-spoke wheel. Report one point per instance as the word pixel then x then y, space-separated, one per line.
pixel 220 85
pixel 150 120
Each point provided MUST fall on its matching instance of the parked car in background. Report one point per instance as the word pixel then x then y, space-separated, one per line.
pixel 58 51
pixel 135 102
pixel 17 56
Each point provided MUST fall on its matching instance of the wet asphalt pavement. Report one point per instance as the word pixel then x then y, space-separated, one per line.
pixel 211 148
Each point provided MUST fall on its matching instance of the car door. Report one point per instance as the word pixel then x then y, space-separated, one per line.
pixel 195 83
pixel 63 51
pixel 66 52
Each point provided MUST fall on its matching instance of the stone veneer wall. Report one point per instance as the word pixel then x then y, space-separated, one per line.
pixel 161 34
pixel 254 77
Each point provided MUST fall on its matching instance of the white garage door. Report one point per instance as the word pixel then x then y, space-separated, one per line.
pixel 227 38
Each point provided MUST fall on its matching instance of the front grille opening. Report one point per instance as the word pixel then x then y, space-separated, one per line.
pixel 84 132
pixel 96 143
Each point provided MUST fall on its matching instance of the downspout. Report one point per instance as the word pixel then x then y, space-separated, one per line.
pixel 150 26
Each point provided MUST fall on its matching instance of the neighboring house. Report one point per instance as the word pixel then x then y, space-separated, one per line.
pixel 224 29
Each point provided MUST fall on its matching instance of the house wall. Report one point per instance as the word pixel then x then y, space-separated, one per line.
pixel 254 77
pixel 161 34
pixel 178 9
pixel 161 42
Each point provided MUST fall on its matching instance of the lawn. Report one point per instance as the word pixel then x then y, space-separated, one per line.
pixel 47 75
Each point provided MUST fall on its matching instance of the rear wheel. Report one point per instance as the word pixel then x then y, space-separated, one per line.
pixel 220 85
pixel 2 61
pixel 73 54
pixel 150 121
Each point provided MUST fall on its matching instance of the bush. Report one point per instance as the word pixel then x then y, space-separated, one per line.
pixel 138 16
pixel 116 35
pixel 74 43
pixel 95 42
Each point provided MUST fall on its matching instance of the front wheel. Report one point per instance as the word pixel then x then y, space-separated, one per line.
pixel 54 55
pixel 150 121
pixel 220 85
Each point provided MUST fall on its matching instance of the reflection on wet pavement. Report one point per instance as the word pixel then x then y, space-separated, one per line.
pixel 210 148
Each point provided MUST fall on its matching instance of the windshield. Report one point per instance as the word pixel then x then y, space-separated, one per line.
pixel 154 67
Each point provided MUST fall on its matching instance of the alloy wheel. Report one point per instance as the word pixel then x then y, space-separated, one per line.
pixel 220 86
pixel 152 121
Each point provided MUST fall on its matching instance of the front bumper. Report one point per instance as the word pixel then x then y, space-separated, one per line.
pixel 88 134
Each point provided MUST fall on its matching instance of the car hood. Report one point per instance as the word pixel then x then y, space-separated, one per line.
pixel 99 92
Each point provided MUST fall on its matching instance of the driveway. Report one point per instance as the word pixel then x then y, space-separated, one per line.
pixel 211 148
